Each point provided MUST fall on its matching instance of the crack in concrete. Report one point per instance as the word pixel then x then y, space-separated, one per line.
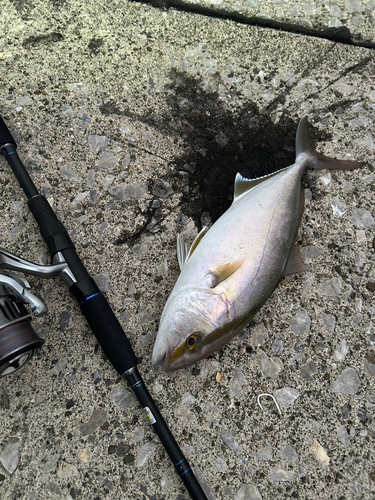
pixel 338 35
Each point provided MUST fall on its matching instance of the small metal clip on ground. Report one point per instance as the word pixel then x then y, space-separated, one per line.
pixel 269 396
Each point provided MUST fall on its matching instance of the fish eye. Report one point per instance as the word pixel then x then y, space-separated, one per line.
pixel 191 341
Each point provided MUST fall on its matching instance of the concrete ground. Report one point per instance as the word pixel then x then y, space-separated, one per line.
pixel 133 121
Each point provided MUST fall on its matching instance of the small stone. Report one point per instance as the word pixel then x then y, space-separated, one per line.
pixel 146 339
pixel 329 322
pixel 361 236
pixel 123 398
pixel 289 453
pixel 353 5
pixel 282 476
pixel 78 87
pixel 59 366
pixel 156 388
pixel 343 436
pixel 98 418
pixel 362 218
pixel 98 142
pixel 188 399
pixel 300 323
pixel 66 110
pixel 368 367
pixel 18 206
pixel 360 259
pixel 277 346
pixel 79 198
pixel 139 434
pixel 331 287
pixel 51 463
pixel 124 129
pixel 209 406
pixel 221 464
pixel 129 191
pixel 270 367
pixel 67 470
pixel 161 189
pixel 248 492
pixel 229 440
pixel 219 377
pixel 286 396
pixel 310 252
pixel 308 370
pixel 70 174
pixel 10 457
pixel 347 382
pixel 54 488
pixel 238 378
pixel 259 335
pixel 85 455
pixel 126 161
pixel 320 453
pixel 338 208
pixel 146 451
pixel 313 426
pixel 370 286
pixel 341 350
pixel 265 455
pixel 102 280
pixel 64 320
pixel 107 161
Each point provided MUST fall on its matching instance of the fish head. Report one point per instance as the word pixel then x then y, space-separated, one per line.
pixel 194 324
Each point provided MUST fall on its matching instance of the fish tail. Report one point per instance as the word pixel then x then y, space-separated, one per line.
pixel 305 152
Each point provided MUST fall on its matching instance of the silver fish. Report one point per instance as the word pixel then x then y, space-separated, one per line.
pixel 232 269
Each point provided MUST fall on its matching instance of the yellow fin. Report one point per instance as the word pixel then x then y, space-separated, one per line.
pixel 223 272
pixel 183 251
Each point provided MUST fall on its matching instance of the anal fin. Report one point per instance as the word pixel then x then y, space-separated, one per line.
pixel 295 263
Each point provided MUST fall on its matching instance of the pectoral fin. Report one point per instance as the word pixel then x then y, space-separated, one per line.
pixel 295 263
pixel 183 251
pixel 221 273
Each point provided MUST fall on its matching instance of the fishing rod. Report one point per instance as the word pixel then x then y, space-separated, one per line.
pixel 94 306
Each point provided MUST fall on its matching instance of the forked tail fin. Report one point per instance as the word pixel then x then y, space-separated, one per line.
pixel 311 158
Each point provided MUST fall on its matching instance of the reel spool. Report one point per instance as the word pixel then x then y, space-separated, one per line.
pixel 18 340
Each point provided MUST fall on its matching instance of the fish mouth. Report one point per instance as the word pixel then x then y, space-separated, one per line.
pixel 163 362
pixel 161 356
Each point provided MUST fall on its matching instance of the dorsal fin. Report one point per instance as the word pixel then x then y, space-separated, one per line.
pixel 183 251
pixel 242 184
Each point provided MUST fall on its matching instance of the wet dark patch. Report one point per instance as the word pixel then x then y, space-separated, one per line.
pixel 54 36
pixel 221 141
pixel 23 6
pixel 95 44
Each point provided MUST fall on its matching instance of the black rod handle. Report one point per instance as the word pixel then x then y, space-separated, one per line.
pixel 5 135
pixel 109 332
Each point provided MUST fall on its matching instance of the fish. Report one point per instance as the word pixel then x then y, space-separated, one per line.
pixel 232 268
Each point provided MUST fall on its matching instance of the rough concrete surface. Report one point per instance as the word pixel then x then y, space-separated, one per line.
pixel 352 19
pixel 182 102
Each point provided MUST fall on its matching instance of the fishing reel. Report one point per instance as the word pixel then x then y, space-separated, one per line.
pixel 18 340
